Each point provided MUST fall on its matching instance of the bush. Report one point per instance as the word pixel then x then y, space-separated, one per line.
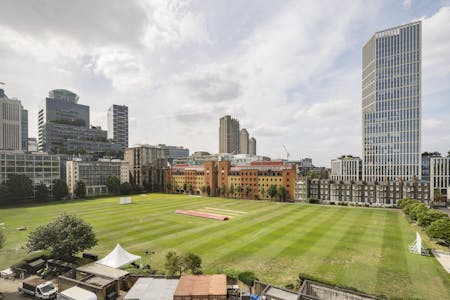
pixel 440 230
pixel 430 216
pixel 410 205
pixel 313 201
pixel 417 210
pixel 403 202
pixel 247 277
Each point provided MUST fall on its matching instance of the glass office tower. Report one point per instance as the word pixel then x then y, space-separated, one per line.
pixel 391 103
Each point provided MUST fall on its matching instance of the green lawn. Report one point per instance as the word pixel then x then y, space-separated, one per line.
pixel 358 247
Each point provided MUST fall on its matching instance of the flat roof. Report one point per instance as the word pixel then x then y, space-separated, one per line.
pixel 152 289
pixel 77 293
pixel 102 270
pixel 280 294
pixel 202 285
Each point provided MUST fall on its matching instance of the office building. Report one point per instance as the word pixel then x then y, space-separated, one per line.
pixel 39 167
pixel 252 146
pixel 147 165
pixel 426 158
pixel 229 135
pixel 346 168
pixel 95 174
pixel 24 129
pixel 32 145
pixel 391 104
pixel 174 152
pixel 440 180
pixel 243 142
pixel 11 112
pixel 118 125
pixel 64 126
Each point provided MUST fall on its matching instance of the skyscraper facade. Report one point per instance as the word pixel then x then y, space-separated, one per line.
pixel 391 104
pixel 229 135
pixel 10 123
pixel 252 146
pixel 118 125
pixel 243 141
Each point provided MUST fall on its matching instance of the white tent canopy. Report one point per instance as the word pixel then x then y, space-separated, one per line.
pixel 118 258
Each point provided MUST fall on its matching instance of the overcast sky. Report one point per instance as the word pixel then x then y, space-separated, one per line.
pixel 290 71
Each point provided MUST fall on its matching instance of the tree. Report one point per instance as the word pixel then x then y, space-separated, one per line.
pixel 2 239
pixel 113 184
pixel 185 187
pixel 174 263
pixel 19 186
pixel 262 192
pixel 193 263
pixel 232 190
pixel 247 191
pixel 5 197
pixel 411 205
pixel 311 174
pixel 60 189
pixel 272 191
pixel 437 195
pixel 190 188
pixel 282 193
pixel 64 237
pixel 203 189
pixel 169 187
pixel 80 189
pixel 239 190
pixel 247 277
pixel 430 216
pixel 223 190
pixel 440 230
pixel 41 193
pixel 126 188
pixel 208 190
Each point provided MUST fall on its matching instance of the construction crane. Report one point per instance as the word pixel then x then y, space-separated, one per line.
pixel 287 152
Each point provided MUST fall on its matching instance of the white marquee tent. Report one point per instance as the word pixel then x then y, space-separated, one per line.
pixel 118 258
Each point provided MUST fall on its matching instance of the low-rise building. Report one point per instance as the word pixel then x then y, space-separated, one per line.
pixel 95 174
pixel 346 168
pixel 41 168
pixel 212 287
pixel 222 178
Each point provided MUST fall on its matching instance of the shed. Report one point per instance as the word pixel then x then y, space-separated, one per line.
pixel 152 289
pixel 76 293
pixel 202 287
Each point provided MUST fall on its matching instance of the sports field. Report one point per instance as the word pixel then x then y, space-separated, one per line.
pixel 357 247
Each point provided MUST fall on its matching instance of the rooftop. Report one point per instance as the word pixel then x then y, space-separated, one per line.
pixel 202 285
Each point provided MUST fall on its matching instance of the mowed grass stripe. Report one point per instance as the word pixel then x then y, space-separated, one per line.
pixel 242 248
pixel 393 263
pixel 340 249
pixel 189 235
pixel 247 226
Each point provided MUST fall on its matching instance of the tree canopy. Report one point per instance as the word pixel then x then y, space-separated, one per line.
pixel 64 237
pixel 80 189
pixel 41 193
pixel 19 186
pixel 272 190
pixel 60 189
pixel 178 264
pixel 113 184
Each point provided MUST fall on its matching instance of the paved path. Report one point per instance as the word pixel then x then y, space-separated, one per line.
pixel 9 289
pixel 444 209
pixel 443 258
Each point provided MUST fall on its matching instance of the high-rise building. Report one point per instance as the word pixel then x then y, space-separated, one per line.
pixel 147 165
pixel 64 127
pixel 391 104
pixel 243 142
pixel 118 125
pixel 252 146
pixel 24 129
pixel 11 112
pixel 229 135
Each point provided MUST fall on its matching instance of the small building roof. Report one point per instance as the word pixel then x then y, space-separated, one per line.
pixel 102 270
pixel 152 289
pixel 202 285
pixel 79 293
pixel 280 294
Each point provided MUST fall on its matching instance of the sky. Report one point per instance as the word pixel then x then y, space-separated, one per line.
pixel 290 71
